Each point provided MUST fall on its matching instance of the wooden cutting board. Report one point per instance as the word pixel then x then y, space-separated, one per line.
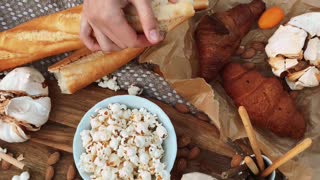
pixel 67 111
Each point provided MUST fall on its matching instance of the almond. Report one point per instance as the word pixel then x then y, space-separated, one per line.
pixel 194 153
pixel 49 173
pixel 181 165
pixel 184 141
pixel 240 50
pixel 182 108
pixel 53 158
pixel 71 174
pixel 6 165
pixel 258 46
pixel 202 116
pixel 236 160
pixel 249 53
pixel 184 152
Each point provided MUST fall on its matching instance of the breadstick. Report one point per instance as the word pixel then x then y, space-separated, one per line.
pixel 11 160
pixel 288 156
pixel 251 165
pixel 252 136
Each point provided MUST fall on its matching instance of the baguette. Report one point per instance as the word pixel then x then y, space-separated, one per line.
pixel 84 67
pixel 91 67
pixel 39 38
pixel 58 33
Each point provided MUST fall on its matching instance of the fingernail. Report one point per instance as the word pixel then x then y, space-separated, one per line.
pixel 154 36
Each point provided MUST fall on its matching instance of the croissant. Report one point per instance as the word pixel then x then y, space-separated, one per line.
pixel 219 35
pixel 268 105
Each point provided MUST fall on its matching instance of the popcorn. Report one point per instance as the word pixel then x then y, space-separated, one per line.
pixel 111 84
pixel 134 90
pixel 124 144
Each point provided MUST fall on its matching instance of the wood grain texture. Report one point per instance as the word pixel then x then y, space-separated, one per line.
pixel 66 113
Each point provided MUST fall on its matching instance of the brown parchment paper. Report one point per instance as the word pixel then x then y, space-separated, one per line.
pixel 177 60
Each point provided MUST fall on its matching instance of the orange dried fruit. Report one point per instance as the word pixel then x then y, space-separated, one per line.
pixel 271 18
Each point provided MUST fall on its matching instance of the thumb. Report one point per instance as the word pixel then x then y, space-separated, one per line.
pixel 148 21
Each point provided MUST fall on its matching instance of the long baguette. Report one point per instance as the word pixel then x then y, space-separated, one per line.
pixel 84 67
pixel 90 67
pixel 39 38
pixel 57 33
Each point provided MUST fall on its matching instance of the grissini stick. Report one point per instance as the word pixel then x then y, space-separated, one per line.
pixel 288 156
pixel 251 165
pixel 252 136
pixel 11 160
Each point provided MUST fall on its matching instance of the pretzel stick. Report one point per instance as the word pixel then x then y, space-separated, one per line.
pixel 11 160
pixel 251 165
pixel 252 136
pixel 288 156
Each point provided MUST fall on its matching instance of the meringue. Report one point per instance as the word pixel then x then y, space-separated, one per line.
pixel 23 176
pixel 312 52
pixel 285 51
pixel 25 79
pixel 196 176
pixel 287 40
pixel 124 144
pixel 24 103
pixel 308 21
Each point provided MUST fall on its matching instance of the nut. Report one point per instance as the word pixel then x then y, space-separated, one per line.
pixel 184 152
pixel 258 46
pixel 184 141
pixel 203 117
pixel 236 160
pixel 53 158
pixel 194 153
pixel 182 108
pixel 71 174
pixel 249 53
pixel 49 173
pixel 240 51
pixel 182 165
pixel 6 165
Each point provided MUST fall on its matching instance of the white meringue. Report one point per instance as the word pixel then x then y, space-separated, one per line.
pixel 308 79
pixel 312 52
pixel 23 176
pixel 25 79
pixel 32 111
pixel 308 21
pixel 287 40
pixel 12 133
pixel 197 176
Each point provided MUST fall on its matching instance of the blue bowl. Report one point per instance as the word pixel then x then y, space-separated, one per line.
pixel 169 145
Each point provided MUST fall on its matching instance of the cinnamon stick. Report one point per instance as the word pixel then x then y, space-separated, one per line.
pixel 252 136
pixel 11 160
pixel 288 156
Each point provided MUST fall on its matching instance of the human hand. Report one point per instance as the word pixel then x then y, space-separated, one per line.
pixel 104 26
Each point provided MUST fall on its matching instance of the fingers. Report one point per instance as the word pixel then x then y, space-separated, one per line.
pixel 105 43
pixel 86 35
pixel 148 21
pixel 123 34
